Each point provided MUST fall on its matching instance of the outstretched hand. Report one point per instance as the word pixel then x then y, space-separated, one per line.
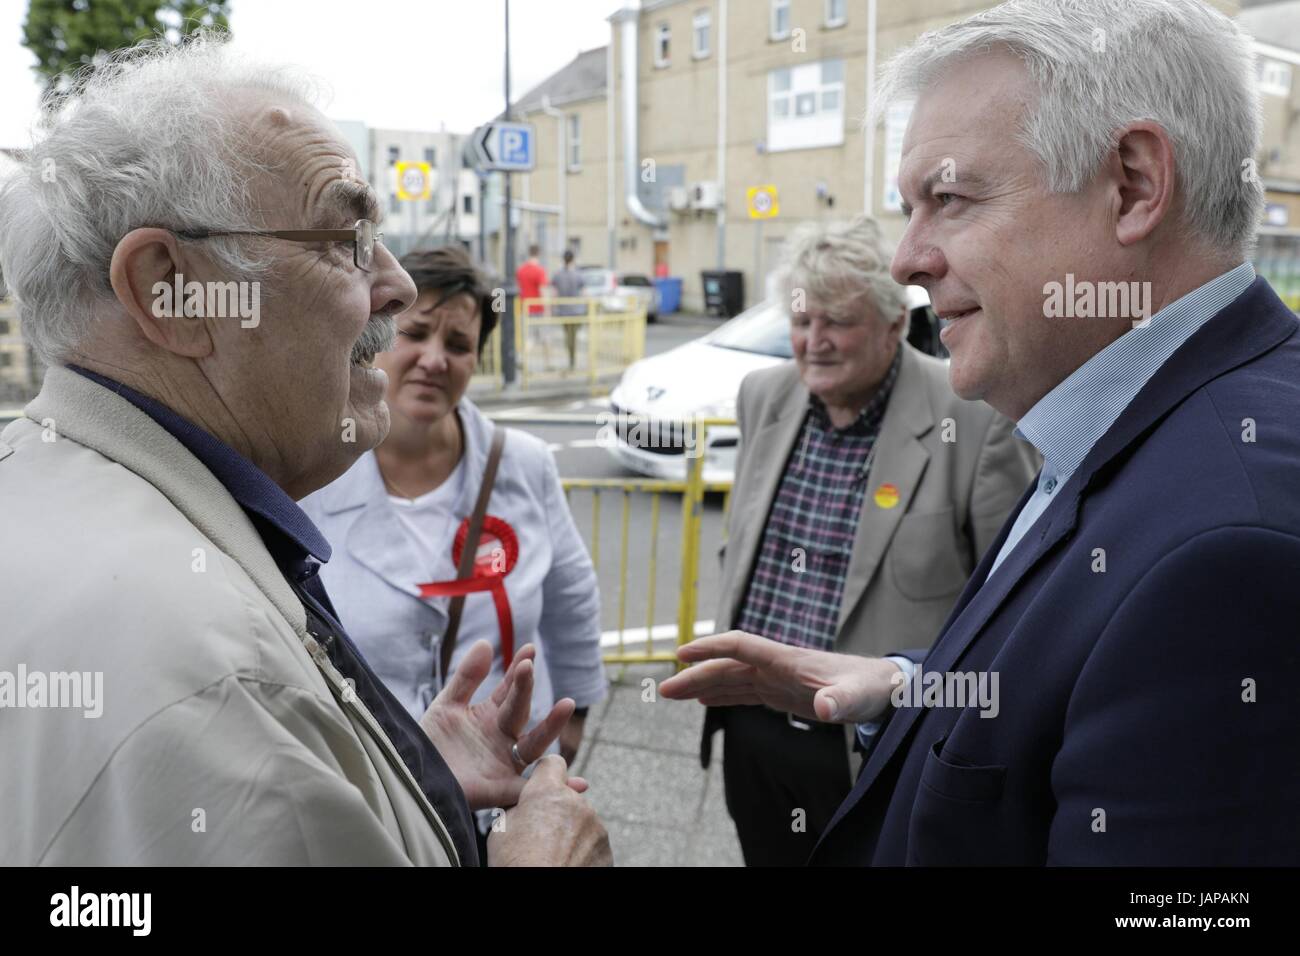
pixel 740 668
pixel 476 739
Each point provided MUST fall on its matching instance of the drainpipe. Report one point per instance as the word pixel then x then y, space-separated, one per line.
pixel 561 137
pixel 627 22
pixel 611 183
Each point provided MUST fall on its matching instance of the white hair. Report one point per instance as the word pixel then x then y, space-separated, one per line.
pixel 839 264
pixel 1099 65
pixel 148 138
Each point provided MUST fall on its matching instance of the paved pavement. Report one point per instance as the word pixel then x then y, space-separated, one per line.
pixel 641 757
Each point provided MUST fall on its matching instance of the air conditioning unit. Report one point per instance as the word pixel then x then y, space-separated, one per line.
pixel 679 199
pixel 705 195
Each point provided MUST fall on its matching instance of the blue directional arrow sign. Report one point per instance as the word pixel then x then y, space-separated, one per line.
pixel 510 147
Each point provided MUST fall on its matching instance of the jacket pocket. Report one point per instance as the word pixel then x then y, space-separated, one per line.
pixel 926 558
pixel 956 813
pixel 959 781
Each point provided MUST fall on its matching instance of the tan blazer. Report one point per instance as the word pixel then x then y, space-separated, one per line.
pixel 909 561
pixel 226 737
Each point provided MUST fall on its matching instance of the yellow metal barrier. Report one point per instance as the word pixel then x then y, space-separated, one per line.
pixel 489 363
pixel 692 492
pixel 613 340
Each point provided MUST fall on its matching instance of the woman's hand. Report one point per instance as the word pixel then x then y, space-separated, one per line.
pixel 476 740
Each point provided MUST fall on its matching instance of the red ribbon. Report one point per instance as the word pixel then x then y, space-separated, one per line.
pixel 487 576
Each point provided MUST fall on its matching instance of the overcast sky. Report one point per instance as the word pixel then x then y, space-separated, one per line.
pixel 391 63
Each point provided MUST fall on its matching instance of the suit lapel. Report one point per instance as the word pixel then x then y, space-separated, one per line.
pixel 900 460
pixel 1254 323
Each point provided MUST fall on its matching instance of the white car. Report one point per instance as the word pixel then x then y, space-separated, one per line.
pixel 620 291
pixel 657 398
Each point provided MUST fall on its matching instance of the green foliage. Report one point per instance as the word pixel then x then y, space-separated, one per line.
pixel 69 35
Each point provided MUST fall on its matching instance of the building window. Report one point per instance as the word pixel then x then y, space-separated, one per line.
pixel 6 359
pixel 836 13
pixel 4 327
pixel 430 156
pixel 700 34
pixel 780 19
pixel 575 141
pixel 394 154
pixel 806 106
pixel 663 37
pixel 1274 77
pixel 394 204
pixel 469 204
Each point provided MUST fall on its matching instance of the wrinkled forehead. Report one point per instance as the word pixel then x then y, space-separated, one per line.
pixel 307 171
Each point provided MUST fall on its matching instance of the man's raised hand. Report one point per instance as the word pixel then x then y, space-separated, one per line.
pixel 740 668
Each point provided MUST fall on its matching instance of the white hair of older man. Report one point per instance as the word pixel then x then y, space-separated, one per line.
pixel 1099 65
pixel 146 139
pixel 840 266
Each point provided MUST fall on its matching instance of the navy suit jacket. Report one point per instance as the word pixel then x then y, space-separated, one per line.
pixel 1149 713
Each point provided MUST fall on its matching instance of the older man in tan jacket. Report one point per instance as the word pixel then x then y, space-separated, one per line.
pixel 866 492
pixel 182 691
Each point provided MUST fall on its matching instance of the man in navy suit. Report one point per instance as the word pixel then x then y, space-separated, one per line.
pixel 1118 682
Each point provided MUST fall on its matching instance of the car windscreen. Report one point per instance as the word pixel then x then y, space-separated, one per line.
pixel 641 281
pixel 764 329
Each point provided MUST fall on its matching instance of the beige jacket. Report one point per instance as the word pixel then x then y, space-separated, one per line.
pixel 223 738
pixel 911 560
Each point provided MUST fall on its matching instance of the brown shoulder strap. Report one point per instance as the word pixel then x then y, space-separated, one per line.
pixel 475 531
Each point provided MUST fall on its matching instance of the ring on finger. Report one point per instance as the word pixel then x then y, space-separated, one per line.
pixel 520 762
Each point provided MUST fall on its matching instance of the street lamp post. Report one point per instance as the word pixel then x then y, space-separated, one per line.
pixel 508 319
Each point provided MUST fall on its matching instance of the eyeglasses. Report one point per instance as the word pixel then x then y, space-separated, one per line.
pixel 362 236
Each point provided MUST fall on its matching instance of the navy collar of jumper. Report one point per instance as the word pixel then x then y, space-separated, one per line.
pixel 251 487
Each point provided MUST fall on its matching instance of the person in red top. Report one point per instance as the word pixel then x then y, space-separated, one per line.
pixel 531 276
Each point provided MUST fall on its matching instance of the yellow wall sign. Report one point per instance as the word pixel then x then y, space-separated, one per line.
pixel 414 180
pixel 762 202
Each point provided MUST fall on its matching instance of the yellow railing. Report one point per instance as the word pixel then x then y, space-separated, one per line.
pixel 692 492
pixel 552 347
pixel 489 362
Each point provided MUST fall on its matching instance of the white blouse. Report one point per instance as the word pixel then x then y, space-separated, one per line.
pixel 384 548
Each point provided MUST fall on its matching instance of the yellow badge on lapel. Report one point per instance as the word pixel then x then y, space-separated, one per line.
pixel 887 496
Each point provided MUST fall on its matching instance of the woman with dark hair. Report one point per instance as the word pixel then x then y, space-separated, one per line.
pixel 406 575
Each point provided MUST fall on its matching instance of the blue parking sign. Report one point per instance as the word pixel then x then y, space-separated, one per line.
pixel 505 146
pixel 516 146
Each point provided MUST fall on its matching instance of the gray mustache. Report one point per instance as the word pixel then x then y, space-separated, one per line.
pixel 380 335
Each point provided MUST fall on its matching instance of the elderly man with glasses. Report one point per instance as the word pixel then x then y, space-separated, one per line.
pixel 154 556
